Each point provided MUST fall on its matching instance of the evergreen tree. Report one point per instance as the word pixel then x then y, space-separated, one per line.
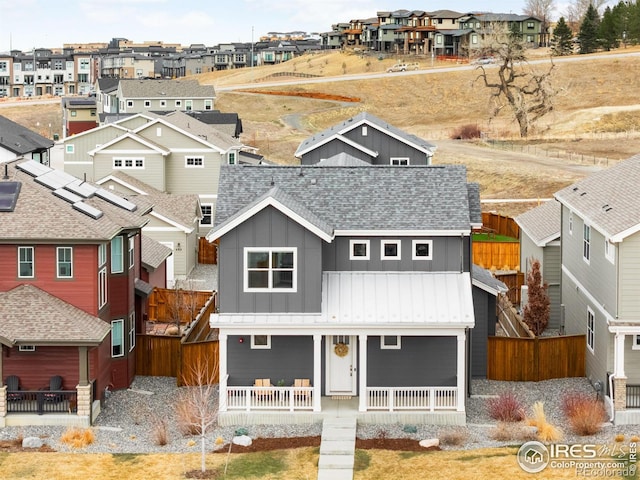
pixel 609 31
pixel 561 40
pixel 588 35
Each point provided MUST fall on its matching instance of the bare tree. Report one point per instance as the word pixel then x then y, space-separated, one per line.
pixel 197 407
pixel 541 9
pixel 575 11
pixel 183 304
pixel 536 311
pixel 528 94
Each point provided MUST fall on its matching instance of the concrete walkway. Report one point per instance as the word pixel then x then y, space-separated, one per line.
pixel 337 447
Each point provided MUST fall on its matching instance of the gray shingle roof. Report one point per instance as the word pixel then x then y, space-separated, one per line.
pixel 41 215
pixel 20 140
pixel 342 159
pixel 356 198
pixel 487 280
pixel 608 199
pixel 56 323
pixel 165 89
pixel 369 119
pixel 153 253
pixel 542 223
pixel 209 133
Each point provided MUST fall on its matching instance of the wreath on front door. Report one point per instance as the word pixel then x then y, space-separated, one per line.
pixel 341 349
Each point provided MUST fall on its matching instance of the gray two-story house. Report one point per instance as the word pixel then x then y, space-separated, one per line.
pixel 601 280
pixel 367 138
pixel 348 282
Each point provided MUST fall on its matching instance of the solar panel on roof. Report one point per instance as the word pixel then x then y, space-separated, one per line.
pixel 55 179
pixel 81 188
pixel 67 195
pixel 9 192
pixel 116 200
pixel 87 210
pixel 34 168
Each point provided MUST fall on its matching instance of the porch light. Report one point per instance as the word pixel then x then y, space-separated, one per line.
pixel 241 340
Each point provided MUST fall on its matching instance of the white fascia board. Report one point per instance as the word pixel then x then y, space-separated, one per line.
pixel 324 330
pixel 546 241
pixel 619 237
pixel 486 288
pixel 121 182
pixel 170 222
pixel 401 233
pixel 179 130
pixel 386 132
pixel 134 137
pixel 342 138
pixel 585 219
pixel 78 163
pixel 207 197
pixel 268 202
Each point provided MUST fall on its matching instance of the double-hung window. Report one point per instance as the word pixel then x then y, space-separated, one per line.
pixel 591 329
pixel 132 331
pixel 132 250
pixel 65 262
pixel 117 256
pixel 25 262
pixel 586 243
pixel 207 214
pixel 102 275
pixel 270 269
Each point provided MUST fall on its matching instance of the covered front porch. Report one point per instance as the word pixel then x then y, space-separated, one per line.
pixel 623 399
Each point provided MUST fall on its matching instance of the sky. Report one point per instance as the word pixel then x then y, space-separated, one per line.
pixel 25 24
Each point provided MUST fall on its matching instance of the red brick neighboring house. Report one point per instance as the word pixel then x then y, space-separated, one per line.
pixel 70 270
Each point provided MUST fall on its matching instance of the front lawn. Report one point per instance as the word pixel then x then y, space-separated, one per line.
pixel 492 237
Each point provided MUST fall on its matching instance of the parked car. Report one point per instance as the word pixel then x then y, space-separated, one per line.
pixel 484 61
pixel 401 67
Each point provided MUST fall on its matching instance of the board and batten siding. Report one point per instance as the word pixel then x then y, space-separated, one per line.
pixel 270 228
pixel 386 146
pixel 629 279
pixel 329 149
pixel 600 361
pixel 446 253
pixel 599 275
pixel 484 307
pixel 289 357
pixel 421 361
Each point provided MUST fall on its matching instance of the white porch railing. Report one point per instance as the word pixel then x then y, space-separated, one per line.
pixel 412 398
pixel 270 398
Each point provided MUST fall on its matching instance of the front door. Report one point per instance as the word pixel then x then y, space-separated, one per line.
pixel 341 365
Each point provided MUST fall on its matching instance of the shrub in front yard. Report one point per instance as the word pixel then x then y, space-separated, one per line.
pixel 77 437
pixel 512 432
pixel 505 408
pixel 466 132
pixel 159 432
pixel 455 437
pixel 546 431
pixel 187 419
pixel 585 414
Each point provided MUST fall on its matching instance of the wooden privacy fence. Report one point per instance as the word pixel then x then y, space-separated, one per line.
pixel 511 322
pixel 535 359
pixel 207 251
pixel 497 255
pixel 500 224
pixel 514 282
pixel 163 356
pixel 164 305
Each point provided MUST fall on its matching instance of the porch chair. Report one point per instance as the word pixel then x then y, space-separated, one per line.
pixel 13 386
pixel 55 385
pixel 302 382
pixel 263 382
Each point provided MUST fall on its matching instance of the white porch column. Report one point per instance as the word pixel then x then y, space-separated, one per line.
pixel 362 366
pixel 619 356
pixel 317 373
pixel 462 371
pixel 222 371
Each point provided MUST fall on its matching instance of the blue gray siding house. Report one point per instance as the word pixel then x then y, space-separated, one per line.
pixel 357 279
pixel 600 280
pixel 367 138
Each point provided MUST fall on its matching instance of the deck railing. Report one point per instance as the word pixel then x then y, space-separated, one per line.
pixel 633 396
pixel 42 401
pixel 270 398
pixel 412 398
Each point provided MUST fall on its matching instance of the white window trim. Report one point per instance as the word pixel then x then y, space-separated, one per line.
pixel 132 331
pixel 120 254
pixel 147 104
pixel 178 103
pixel 398 244
pixel 353 243
pixel 69 149
pixel 113 323
pixel 591 332
pixel 634 342
pixel 610 251
pixel 123 160
pixel 102 254
pixel 163 103
pixel 586 243
pixel 33 262
pixel 132 249
pixel 270 288
pixel 364 131
pixel 102 287
pixel 193 158
pixel 570 223
pixel 415 243
pixel 210 224
pixel 58 249
pixel 384 346
pixel 233 155
pixel 267 346
pixel 129 103
pixel 399 160
pixel 26 348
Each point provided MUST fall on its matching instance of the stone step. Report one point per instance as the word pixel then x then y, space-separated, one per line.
pixel 335 474
pixel 335 462
pixel 337 447
pixel 338 434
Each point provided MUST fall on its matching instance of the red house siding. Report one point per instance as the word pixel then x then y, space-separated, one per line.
pixel 36 368
pixel 79 127
pixel 80 291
